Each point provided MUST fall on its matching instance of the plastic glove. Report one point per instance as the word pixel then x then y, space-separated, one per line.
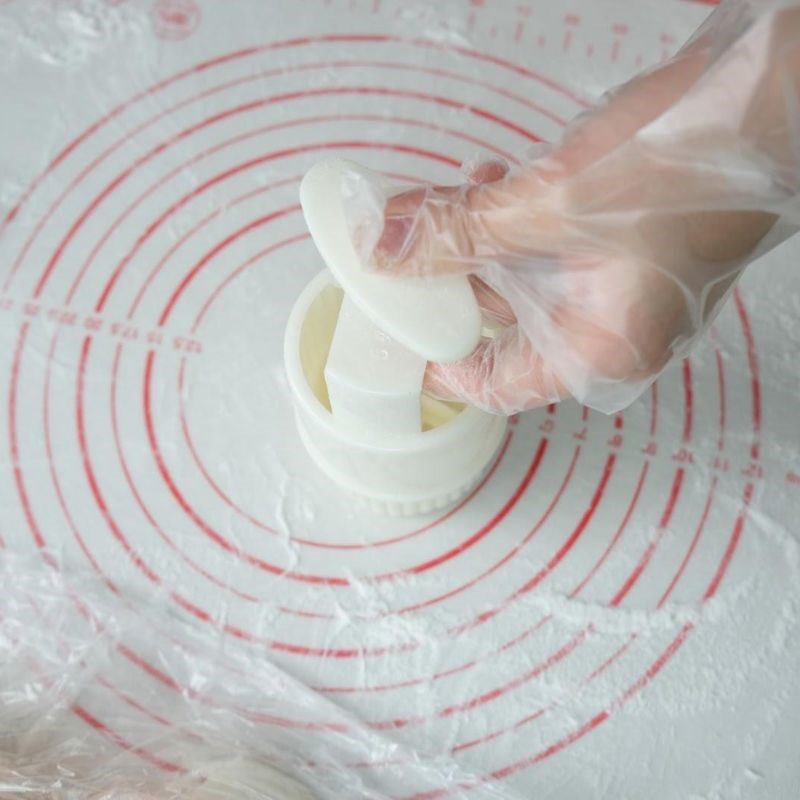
pixel 607 257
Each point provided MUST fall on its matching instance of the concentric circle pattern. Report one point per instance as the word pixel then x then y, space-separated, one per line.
pixel 147 274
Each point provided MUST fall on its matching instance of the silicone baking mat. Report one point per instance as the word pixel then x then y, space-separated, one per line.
pixel 612 612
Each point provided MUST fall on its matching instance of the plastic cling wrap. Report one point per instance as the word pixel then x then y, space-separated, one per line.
pixel 79 668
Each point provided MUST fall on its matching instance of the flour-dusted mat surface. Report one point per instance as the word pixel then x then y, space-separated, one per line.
pixel 612 612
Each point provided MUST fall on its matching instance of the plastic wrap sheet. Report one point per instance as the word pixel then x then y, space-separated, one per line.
pixel 210 720
pixel 187 605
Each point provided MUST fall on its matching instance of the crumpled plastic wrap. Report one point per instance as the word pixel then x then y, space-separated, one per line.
pixel 221 723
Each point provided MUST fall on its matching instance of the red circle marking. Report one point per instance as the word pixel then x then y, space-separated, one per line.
pixel 244 108
pixel 235 140
pixel 617 534
pixel 205 94
pixel 176 245
pixel 193 565
pixel 245 53
pixel 16 464
pixel 54 476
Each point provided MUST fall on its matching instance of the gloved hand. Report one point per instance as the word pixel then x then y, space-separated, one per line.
pixel 606 257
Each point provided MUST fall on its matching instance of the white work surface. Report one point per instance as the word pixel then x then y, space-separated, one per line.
pixel 612 613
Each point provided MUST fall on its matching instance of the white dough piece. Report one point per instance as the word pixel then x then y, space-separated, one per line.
pixel 373 381
pixel 437 318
